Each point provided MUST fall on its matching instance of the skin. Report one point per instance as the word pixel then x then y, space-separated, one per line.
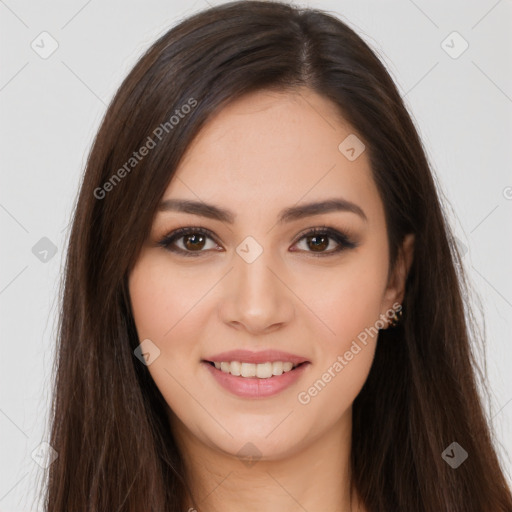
pixel 260 154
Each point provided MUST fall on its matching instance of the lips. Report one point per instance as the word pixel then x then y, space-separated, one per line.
pixel 253 388
pixel 247 387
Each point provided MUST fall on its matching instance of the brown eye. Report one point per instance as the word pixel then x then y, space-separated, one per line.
pixel 194 242
pixel 189 241
pixel 316 242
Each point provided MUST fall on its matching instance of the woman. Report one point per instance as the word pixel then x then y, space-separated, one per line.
pixel 263 305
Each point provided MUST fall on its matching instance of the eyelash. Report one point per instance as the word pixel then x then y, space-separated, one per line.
pixel 343 241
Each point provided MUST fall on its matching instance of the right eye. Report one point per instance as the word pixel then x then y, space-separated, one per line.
pixel 193 241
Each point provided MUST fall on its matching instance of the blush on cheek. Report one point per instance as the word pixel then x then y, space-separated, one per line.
pixel 350 300
pixel 356 320
pixel 156 304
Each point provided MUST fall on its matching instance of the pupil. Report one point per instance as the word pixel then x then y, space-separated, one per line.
pixel 198 242
pixel 319 245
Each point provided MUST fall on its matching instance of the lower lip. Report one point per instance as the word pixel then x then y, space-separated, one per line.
pixel 248 387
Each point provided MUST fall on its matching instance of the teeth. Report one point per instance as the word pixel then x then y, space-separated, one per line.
pixel 235 368
pixel 261 371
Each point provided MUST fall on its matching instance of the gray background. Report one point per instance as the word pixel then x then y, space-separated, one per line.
pixel 51 109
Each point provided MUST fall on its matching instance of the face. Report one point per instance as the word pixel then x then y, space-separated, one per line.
pixel 256 271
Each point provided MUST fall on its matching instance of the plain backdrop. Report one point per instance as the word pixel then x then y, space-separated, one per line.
pixel 460 99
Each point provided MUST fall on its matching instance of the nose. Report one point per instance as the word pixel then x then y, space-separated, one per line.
pixel 256 298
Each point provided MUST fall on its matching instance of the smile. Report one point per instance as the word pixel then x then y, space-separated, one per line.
pixel 249 380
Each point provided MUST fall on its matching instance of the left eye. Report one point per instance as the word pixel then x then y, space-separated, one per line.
pixel 317 241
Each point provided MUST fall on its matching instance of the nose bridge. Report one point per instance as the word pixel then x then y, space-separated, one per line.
pixel 258 300
pixel 254 279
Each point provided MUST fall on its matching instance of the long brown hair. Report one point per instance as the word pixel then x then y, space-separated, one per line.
pixel 108 424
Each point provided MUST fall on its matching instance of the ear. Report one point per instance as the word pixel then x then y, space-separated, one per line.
pixel 395 289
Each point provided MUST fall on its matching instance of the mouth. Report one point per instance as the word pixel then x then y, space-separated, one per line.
pixel 256 380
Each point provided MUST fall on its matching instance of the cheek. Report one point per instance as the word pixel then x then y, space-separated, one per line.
pixel 170 308
pixel 348 299
pixel 161 300
pixel 165 309
pixel 334 383
pixel 350 306
pixel 162 307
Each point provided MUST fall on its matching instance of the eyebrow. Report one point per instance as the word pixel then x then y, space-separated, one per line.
pixel 287 215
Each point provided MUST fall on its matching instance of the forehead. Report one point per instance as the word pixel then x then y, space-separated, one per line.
pixel 273 148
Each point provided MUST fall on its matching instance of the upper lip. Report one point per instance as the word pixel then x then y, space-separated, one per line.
pixel 264 356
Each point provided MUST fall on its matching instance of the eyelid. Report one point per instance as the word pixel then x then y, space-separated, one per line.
pixel 321 230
